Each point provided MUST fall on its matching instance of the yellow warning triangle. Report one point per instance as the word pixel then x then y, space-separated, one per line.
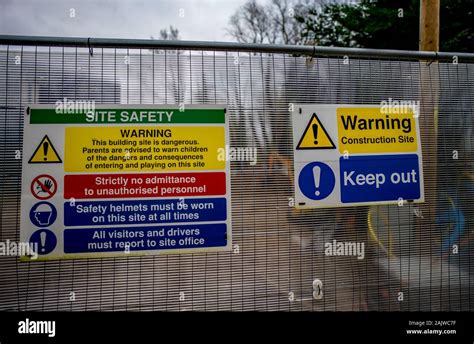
pixel 45 153
pixel 315 136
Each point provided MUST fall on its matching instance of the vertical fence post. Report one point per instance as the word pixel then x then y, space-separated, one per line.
pixel 429 41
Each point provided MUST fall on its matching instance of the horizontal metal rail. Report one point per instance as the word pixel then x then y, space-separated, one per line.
pixel 231 46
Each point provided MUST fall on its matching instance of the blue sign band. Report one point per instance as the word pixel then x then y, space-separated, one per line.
pixel 372 178
pixel 144 211
pixel 83 240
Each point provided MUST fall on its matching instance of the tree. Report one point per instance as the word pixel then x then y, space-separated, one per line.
pixel 457 26
pixel 251 24
pixel 282 14
pixel 175 80
pixel 386 24
pixel 171 35
pixel 331 25
pixel 271 23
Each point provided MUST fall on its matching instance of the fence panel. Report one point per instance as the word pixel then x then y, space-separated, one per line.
pixel 277 252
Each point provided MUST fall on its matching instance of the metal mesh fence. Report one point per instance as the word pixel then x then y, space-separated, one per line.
pixel 417 257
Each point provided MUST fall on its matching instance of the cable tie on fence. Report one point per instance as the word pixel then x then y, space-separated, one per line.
pixel 436 57
pixel 314 53
pixel 91 49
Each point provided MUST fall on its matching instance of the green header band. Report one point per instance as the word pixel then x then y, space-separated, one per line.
pixel 125 115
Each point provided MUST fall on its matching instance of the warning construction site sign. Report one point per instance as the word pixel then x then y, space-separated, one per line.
pixel 347 155
pixel 125 180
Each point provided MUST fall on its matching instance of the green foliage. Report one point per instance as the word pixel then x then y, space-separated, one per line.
pixel 386 24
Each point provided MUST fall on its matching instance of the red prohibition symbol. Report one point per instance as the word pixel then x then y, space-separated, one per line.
pixel 43 187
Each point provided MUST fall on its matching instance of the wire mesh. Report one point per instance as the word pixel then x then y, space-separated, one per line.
pixel 277 252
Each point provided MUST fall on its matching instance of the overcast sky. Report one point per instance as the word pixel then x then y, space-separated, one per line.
pixel 199 20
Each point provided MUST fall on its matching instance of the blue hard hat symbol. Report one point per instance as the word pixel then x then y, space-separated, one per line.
pixel 43 214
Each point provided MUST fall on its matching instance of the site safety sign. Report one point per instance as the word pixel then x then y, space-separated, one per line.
pixel 121 180
pixel 349 155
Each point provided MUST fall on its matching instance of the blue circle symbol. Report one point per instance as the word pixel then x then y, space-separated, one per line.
pixel 316 180
pixel 44 240
pixel 43 214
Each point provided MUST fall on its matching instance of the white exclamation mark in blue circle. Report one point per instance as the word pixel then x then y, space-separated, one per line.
pixel 317 178
pixel 43 241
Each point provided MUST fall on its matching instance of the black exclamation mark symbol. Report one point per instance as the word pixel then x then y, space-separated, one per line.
pixel 315 133
pixel 45 150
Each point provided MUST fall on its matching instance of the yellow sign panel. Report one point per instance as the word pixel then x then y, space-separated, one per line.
pixel 376 130
pixel 315 136
pixel 45 153
pixel 157 148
